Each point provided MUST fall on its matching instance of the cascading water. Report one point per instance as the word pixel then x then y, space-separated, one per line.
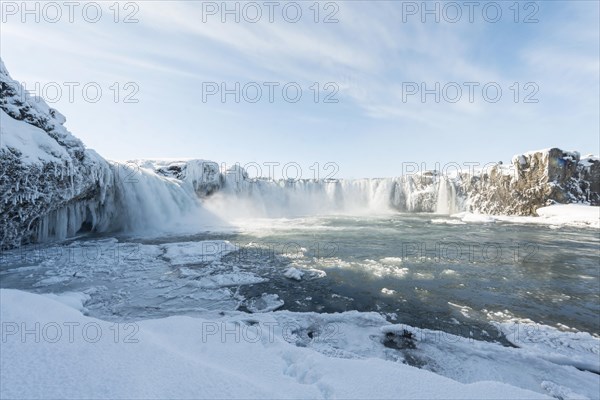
pixel 447 201
pixel 152 197
pixel 241 196
pixel 150 201
pixel 131 199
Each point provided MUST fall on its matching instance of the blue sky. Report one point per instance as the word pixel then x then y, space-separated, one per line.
pixel 371 54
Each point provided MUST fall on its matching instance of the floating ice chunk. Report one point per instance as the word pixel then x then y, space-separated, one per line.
pixel 197 252
pixel 227 279
pixel 447 221
pixel 391 260
pixel 388 291
pixel 54 280
pixel 293 273
pixel 314 273
pixel 265 303
pixel 478 218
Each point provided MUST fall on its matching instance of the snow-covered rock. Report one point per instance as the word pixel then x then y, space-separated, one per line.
pixel 51 186
pixel 204 176
pixel 536 179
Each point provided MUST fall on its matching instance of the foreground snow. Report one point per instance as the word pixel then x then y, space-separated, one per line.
pixel 74 356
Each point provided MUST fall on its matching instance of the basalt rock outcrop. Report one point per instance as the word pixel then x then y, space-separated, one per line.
pixel 534 180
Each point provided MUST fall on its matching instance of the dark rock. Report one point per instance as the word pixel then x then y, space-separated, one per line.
pixel 402 341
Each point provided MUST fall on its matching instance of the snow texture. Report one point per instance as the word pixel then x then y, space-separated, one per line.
pixel 182 357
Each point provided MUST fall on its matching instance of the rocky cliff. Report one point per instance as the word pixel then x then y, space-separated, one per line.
pixel 534 180
pixel 50 184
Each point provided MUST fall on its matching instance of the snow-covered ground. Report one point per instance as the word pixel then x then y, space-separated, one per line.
pixel 576 214
pixel 51 350
pixel 579 349
pixel 556 215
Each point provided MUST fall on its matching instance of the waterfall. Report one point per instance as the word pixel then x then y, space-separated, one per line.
pixel 154 198
pixel 447 201
pixel 241 196
pixel 130 199
pixel 284 198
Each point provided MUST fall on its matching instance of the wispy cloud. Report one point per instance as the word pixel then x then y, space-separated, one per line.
pixel 369 54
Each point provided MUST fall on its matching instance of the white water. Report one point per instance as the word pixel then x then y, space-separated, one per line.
pixel 275 199
pixel 140 200
pixel 447 202
pixel 241 197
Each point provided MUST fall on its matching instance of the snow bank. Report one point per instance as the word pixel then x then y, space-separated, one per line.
pixel 579 349
pixel 74 300
pixel 579 215
pixel 571 214
pixel 182 357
